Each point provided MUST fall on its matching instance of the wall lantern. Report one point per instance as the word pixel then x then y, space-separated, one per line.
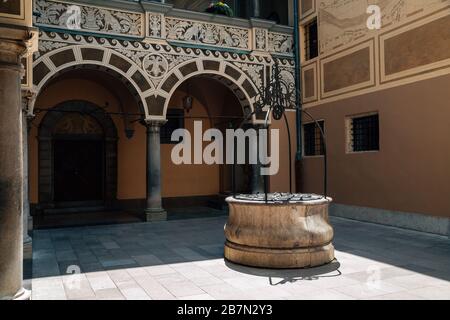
pixel 187 103
pixel 188 100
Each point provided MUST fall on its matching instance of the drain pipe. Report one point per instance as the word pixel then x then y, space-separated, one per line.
pixel 298 98
pixel 299 153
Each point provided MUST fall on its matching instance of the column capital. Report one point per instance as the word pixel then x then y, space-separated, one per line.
pixel 16 43
pixel 28 100
pixel 153 124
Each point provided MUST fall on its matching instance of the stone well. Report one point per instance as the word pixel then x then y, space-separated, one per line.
pixel 279 234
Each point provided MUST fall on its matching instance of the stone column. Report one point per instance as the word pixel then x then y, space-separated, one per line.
pixel 25 200
pixel 27 101
pixel 154 210
pixel 11 161
pixel 256 180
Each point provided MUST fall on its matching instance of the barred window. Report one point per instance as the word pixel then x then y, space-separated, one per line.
pixel 313 141
pixel 175 120
pixel 311 40
pixel 365 133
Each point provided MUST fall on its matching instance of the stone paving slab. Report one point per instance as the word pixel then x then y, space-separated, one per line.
pixel 183 259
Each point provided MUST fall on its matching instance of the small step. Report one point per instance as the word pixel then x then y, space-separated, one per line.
pixel 74 210
pixel 218 202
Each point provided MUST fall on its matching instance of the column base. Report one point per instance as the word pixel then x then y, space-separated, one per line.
pixel 23 294
pixel 154 215
pixel 30 223
pixel 27 240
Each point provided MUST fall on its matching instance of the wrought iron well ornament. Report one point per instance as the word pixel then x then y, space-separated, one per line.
pixel 273 99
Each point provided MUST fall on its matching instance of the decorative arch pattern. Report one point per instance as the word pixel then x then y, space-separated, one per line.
pixel 225 72
pixel 153 71
pixel 59 60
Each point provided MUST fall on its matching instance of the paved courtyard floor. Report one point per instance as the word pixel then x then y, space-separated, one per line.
pixel 183 259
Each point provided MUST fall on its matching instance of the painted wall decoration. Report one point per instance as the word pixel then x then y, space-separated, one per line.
pixel 281 43
pixel 343 22
pixel 411 44
pixel 153 71
pixel 207 33
pixel 158 26
pixel 94 19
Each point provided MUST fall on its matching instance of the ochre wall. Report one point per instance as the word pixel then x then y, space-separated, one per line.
pixel 403 73
pixel 411 172
pixel 413 44
pixel 188 180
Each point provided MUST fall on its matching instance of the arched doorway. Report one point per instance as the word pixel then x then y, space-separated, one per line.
pixel 77 157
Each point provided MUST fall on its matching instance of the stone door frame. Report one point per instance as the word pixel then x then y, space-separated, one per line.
pixel 46 138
